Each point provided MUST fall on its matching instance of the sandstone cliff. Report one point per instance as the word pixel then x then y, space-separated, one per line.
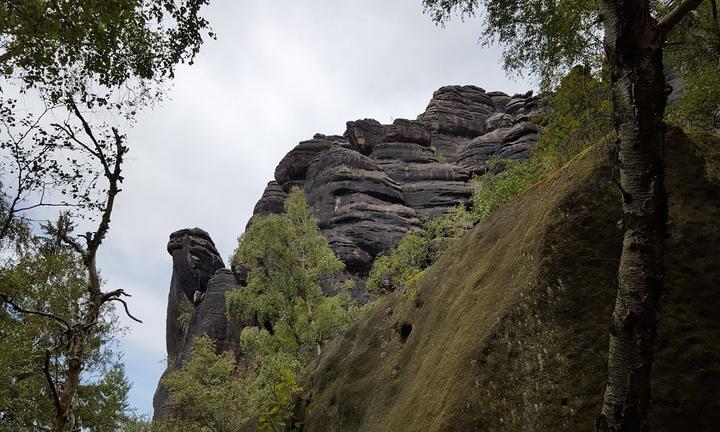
pixel 367 189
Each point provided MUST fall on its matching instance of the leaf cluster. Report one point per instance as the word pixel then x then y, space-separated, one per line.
pixel 694 51
pixel 544 37
pixel 64 44
pixel 50 278
pixel 579 114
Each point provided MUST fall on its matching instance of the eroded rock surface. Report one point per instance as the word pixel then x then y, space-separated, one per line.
pixel 377 182
pixel 367 188
pixel 196 303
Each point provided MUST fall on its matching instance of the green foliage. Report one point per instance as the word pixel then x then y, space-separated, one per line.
pixel 496 190
pixel 453 225
pixel 416 251
pixel 440 157
pixel 49 278
pixel 184 313
pixel 60 45
pixel 694 50
pixel 287 256
pixel 580 115
pixel 547 38
pixel 409 257
pixel 205 394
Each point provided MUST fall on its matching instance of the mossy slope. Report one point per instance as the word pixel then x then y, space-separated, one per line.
pixel 509 329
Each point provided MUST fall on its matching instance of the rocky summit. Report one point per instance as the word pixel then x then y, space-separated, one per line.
pixel 367 189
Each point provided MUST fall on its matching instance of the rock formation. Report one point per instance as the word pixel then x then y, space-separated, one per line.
pixel 377 182
pixel 367 189
pixel 197 290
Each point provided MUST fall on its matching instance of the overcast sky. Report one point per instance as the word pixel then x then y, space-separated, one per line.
pixel 279 72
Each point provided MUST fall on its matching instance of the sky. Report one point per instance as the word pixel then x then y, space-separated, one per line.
pixel 279 72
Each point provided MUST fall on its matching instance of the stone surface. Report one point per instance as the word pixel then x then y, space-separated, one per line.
pixel 377 182
pixel 367 188
pixel 198 285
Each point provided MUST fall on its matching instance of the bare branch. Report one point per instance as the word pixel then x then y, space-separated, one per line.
pixel 6 299
pixel 88 131
pixel 127 311
pixel 667 22
pixel 44 204
pixel 61 234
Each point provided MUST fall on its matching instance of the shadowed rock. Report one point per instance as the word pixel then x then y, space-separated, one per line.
pixel 196 303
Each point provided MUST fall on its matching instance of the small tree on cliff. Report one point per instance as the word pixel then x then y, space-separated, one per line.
pixel 551 36
pixel 287 256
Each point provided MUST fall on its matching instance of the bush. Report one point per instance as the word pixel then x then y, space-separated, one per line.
pixel 496 190
pixel 409 257
pixel 580 114
pixel 416 252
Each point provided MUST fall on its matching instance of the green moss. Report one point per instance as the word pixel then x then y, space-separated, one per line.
pixel 508 331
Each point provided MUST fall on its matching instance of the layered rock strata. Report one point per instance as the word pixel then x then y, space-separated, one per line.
pixel 367 188
pixel 377 182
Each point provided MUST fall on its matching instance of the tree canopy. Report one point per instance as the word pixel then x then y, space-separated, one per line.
pixel 64 45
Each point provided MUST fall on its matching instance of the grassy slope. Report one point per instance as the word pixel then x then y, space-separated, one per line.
pixel 509 332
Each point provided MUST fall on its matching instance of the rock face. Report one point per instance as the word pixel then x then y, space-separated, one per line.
pixel 377 182
pixel 196 302
pixel 508 331
pixel 367 189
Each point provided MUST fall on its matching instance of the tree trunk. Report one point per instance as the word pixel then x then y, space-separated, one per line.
pixel 633 45
pixel 64 412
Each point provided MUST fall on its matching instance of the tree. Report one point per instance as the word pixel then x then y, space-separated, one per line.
pixel 79 56
pixel 288 318
pixel 206 394
pixel 111 54
pixel 48 277
pixel 287 257
pixel 550 36
pixel 82 327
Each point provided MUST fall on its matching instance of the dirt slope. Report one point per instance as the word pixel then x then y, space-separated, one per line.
pixel 509 331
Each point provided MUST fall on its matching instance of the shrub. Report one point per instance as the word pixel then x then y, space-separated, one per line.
pixel 496 190
pixel 579 114
pixel 410 256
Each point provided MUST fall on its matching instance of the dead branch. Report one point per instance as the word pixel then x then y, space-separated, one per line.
pixel 51 383
pixel 6 299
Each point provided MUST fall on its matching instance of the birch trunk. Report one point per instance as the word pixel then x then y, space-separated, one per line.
pixel 633 45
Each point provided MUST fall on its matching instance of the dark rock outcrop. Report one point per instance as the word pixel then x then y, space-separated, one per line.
pixel 367 189
pixel 196 303
pixel 377 182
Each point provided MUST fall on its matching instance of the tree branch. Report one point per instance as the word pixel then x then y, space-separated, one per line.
pixel 6 299
pixel 61 233
pixel 51 384
pixel 667 22
pixel 88 131
pixel 127 311
pixel 113 178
